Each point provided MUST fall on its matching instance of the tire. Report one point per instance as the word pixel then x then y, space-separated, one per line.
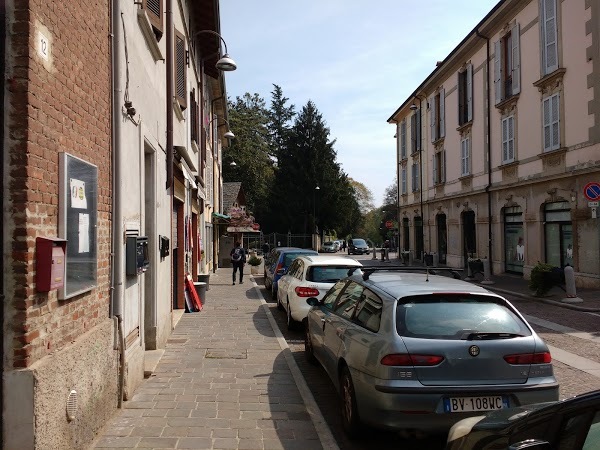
pixel 273 291
pixel 291 323
pixel 349 410
pixel 267 286
pixel 308 348
pixel 279 304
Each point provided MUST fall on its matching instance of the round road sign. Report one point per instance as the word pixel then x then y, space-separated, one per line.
pixel 592 191
pixel 389 224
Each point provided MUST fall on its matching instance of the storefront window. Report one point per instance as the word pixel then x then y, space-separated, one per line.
pixel 514 241
pixel 558 234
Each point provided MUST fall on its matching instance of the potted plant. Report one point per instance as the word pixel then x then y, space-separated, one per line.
pixel 254 262
pixel 543 278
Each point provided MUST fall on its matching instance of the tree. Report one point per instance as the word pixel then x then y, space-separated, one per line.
pixel 390 197
pixel 364 196
pixel 280 117
pixel 250 151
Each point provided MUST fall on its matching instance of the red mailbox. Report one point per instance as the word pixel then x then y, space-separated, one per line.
pixel 50 263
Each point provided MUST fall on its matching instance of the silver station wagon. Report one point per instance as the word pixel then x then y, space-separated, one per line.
pixel 418 352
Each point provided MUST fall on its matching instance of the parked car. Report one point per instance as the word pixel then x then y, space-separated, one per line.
pixel 358 247
pixel 573 423
pixel 328 247
pixel 410 350
pixel 278 263
pixel 271 256
pixel 309 276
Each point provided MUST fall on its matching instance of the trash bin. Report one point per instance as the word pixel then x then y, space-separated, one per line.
pixel 203 278
pixel 201 290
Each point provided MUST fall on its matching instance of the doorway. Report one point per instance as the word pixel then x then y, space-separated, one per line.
pixel 558 234
pixel 469 238
pixel 442 237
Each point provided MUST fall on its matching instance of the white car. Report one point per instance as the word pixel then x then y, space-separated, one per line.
pixel 309 276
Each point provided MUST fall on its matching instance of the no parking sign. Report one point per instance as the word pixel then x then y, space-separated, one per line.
pixel 592 191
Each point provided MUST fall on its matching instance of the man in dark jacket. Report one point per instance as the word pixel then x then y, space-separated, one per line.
pixel 238 259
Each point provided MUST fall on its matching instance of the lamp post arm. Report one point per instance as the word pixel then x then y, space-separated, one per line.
pixel 214 33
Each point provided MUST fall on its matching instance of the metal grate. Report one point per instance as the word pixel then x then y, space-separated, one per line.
pixel 72 405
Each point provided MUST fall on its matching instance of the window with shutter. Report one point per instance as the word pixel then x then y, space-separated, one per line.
pixel 413 133
pixel 436 105
pixel 415 177
pixel 507 65
pixel 465 95
pixel 439 169
pixel 194 122
pixel 549 33
pixel 154 10
pixel 551 116
pixel 180 70
pixel 464 157
pixel 508 139
pixel 403 170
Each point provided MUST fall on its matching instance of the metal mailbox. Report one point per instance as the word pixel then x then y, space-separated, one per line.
pixel 137 259
pixel 50 263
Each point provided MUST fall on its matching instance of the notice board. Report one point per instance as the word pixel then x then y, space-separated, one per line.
pixel 78 224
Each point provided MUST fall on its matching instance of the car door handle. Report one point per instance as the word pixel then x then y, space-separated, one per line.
pixel 340 332
pixel 323 320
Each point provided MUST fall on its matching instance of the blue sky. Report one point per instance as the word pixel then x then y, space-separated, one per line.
pixel 357 61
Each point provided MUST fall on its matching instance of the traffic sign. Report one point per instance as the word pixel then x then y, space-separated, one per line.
pixel 389 224
pixel 592 191
pixel 593 204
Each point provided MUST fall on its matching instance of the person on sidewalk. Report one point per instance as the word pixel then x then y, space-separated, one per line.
pixel 238 259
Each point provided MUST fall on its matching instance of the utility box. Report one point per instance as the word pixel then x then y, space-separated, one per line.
pixel 136 255
pixel 50 263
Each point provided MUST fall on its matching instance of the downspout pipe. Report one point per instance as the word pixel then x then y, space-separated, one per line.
pixel 116 281
pixel 170 93
pixel 488 146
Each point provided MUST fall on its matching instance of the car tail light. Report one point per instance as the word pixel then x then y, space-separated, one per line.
pixel 529 358
pixel 402 359
pixel 278 268
pixel 306 292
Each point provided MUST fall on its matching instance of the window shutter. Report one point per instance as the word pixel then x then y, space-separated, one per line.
pixel 549 36
pixel 469 92
pixel 180 70
pixel 154 10
pixel 436 160
pixel 432 117
pixel 403 139
pixel 516 68
pixel 498 70
pixel 547 126
pixel 417 167
pixel 464 148
pixel 418 123
pixel 511 138
pixel 442 114
pixel 413 133
pixel 555 121
pixel 443 166
pixel 504 140
pixel 404 179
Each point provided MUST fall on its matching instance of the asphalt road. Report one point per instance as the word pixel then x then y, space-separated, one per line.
pixel 572 381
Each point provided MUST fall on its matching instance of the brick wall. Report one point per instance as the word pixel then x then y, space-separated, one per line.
pixel 57 105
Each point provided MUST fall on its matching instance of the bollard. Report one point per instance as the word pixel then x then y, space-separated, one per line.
pixel 469 276
pixel 410 258
pixel 486 272
pixel 387 254
pixel 570 287
pixel 436 260
pixel 374 253
pixel 382 254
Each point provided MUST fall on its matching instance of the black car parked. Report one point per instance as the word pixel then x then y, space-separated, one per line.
pixel 358 247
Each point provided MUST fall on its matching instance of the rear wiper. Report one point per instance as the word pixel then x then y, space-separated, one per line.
pixel 482 335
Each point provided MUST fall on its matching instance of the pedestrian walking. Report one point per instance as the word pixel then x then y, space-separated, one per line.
pixel 238 259
pixel 265 248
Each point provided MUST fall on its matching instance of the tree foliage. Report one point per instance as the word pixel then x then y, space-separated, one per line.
pixel 281 157
pixel 364 196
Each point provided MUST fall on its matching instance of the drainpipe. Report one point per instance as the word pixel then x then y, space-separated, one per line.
pixel 488 147
pixel 116 281
pixel 169 117
pixel 2 302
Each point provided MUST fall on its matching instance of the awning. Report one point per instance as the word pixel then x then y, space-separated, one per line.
pixel 242 230
pixel 220 216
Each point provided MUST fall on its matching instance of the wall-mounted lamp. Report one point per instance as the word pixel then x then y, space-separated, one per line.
pixel 413 107
pixel 232 164
pixel 225 64
pixel 228 134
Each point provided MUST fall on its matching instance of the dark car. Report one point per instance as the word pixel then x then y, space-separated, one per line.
pixel 358 247
pixel 279 259
pixel 572 424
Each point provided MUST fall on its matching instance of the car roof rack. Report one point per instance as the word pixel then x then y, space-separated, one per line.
pixel 367 271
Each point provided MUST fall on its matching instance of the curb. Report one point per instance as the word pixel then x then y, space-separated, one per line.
pixel 323 432
pixel 543 300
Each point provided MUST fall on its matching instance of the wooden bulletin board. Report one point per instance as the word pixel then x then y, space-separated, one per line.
pixel 78 224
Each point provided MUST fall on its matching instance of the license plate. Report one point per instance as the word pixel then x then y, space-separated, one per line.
pixel 466 404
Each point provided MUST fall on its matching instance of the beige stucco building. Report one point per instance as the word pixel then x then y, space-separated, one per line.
pixel 496 146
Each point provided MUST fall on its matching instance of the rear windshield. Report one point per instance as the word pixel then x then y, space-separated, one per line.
pixel 327 274
pixel 289 257
pixel 449 316
pixel 359 242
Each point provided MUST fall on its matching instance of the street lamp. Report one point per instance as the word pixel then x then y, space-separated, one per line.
pixel 228 134
pixel 225 63
pixel 314 207
pixel 414 108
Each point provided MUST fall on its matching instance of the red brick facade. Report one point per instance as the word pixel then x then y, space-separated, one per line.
pixel 59 105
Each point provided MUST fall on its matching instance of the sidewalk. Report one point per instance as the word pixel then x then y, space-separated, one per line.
pixel 227 380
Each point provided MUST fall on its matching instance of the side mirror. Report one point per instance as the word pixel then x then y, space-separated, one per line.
pixel 531 444
pixel 312 301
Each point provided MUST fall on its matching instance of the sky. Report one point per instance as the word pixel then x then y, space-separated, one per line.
pixel 357 61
